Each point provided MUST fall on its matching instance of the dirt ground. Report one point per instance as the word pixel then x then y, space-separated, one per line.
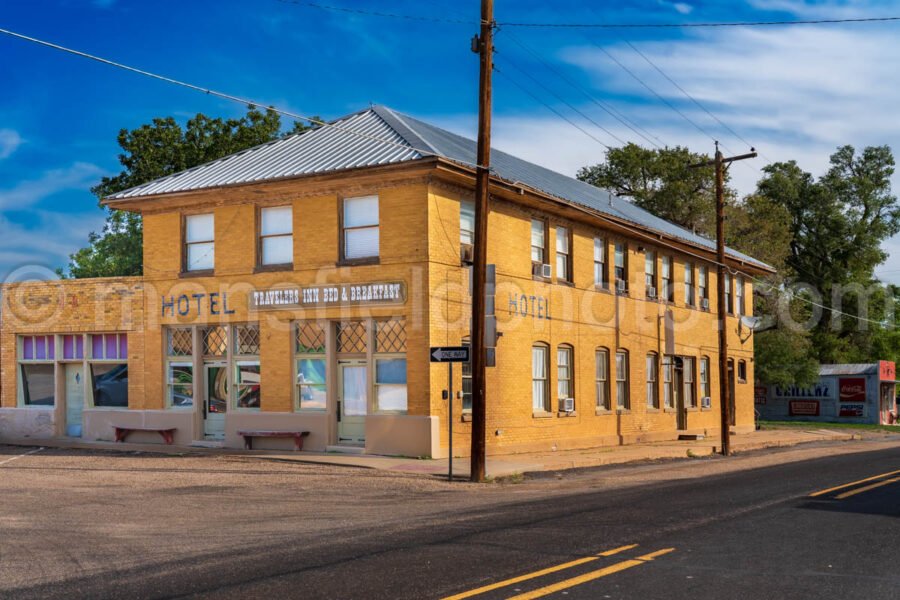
pixel 68 513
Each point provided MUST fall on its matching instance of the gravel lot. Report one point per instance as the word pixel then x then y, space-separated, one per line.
pixel 67 516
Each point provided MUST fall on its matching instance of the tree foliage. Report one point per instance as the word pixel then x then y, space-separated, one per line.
pixel 153 150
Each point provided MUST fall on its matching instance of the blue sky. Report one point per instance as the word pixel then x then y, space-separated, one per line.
pixel 795 92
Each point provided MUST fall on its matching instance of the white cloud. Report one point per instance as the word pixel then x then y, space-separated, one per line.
pixel 48 243
pixel 9 141
pixel 79 176
pixel 680 7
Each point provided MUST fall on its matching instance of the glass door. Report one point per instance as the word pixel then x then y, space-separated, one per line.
pixel 215 400
pixel 74 399
pixel 353 402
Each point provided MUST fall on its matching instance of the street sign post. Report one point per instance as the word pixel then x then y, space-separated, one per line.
pixel 450 355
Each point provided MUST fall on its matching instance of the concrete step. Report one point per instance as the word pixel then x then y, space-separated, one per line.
pixel 346 449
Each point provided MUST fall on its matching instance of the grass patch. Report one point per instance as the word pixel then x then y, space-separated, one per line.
pixel 824 425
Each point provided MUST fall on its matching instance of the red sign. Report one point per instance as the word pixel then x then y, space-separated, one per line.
pixel 852 410
pixel 852 389
pixel 760 394
pixel 804 408
pixel 886 370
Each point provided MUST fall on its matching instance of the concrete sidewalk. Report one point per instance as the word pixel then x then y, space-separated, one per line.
pixel 497 466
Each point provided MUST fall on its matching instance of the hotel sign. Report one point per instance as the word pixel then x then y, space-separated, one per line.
pixel 319 296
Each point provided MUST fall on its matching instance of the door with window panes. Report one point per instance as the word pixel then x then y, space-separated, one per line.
pixel 214 340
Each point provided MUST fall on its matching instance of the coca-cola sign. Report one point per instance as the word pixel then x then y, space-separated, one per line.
pixel 853 389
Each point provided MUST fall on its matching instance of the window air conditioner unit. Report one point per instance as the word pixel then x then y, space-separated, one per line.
pixel 706 402
pixel 704 303
pixel 651 292
pixel 567 405
pixel 467 253
pixel 541 270
pixel 620 286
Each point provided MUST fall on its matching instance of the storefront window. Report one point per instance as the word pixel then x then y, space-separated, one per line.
pixel 109 346
pixel 109 384
pixel 180 383
pixel 247 383
pixel 38 384
pixel 311 366
pixel 390 385
pixel 73 347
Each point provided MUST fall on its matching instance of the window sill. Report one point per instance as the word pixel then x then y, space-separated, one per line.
pixel 670 411
pixel 623 411
pixel 742 381
pixel 273 268
pixel 602 411
pixel 563 414
pixel 358 262
pixel 110 408
pixel 706 409
pixel 622 293
pixel 691 409
pixel 466 417
pixel 542 415
pixel 652 410
pixel 541 279
pixel 565 282
pixel 203 273
pixel 602 287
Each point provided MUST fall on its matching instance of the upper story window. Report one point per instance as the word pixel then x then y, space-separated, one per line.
pixel 703 285
pixel 360 228
pixel 563 254
pixel 467 223
pixel 538 241
pixel 621 267
pixel 739 294
pixel 276 235
pixel 600 278
pixel 650 273
pixel 729 304
pixel 668 282
pixel 689 297
pixel 199 242
pixel 742 371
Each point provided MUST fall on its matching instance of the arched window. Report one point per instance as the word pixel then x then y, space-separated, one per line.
pixel 540 377
pixel 601 377
pixel 622 398
pixel 742 371
pixel 565 382
pixel 704 381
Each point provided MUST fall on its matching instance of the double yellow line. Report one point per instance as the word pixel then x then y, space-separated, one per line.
pixel 580 579
pixel 859 490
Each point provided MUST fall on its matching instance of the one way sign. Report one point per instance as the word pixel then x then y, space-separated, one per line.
pixel 443 354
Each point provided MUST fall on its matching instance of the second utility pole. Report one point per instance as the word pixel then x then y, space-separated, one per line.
pixel 484 45
pixel 724 381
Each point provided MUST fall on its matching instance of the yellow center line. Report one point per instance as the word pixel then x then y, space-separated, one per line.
pixel 581 579
pixel 867 488
pixel 851 484
pixel 542 572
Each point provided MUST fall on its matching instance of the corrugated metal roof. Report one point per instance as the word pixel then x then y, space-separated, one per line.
pixel 849 369
pixel 341 147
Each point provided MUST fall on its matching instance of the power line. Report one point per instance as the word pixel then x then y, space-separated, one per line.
pixel 564 101
pixel 606 107
pixel 696 25
pixel 551 109
pixel 223 95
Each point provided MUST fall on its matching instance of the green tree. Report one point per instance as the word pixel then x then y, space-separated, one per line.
pixel 661 182
pixel 153 150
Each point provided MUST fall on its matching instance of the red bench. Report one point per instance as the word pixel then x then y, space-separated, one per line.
pixel 297 435
pixel 166 433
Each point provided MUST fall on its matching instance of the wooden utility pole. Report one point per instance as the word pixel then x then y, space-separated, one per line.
pixel 484 45
pixel 719 163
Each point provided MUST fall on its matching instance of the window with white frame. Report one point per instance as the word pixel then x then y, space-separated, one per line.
pixel 311 365
pixel 690 396
pixel 247 381
pixel 276 235
pixel 621 266
pixel 600 277
pixel 538 241
pixel 623 401
pixel 650 273
pixel 563 254
pixel 668 381
pixel 360 238
pixel 390 366
pixel 108 365
pixel 668 283
pixel 540 378
pixel 689 298
pixel 729 306
pixel 601 370
pixel 703 283
pixel 199 242
pixel 37 370
pixel 739 294
pixel 704 377
pixel 467 223
pixel 652 381
pixel 565 386
pixel 179 367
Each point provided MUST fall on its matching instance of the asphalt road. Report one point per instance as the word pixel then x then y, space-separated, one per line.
pixel 675 531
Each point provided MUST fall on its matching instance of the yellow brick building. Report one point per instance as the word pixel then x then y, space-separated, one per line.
pixel 299 285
